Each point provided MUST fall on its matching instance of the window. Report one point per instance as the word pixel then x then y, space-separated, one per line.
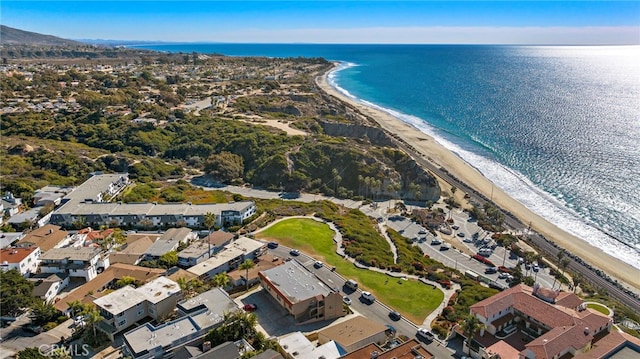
pixel 140 312
pixel 122 322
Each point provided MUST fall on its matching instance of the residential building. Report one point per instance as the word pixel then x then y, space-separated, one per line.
pixel 50 195
pixel 296 345
pixel 229 258
pixel 7 238
pixel 354 333
pixel 27 219
pixel 169 241
pixel 133 251
pixel 198 316
pixel 536 322
pixel 262 263
pixel 152 215
pixel 96 287
pixel 25 260
pixel 46 237
pixel 200 250
pixel 10 204
pixel 80 262
pixel 301 293
pixel 127 305
pixel 47 286
pixel 410 349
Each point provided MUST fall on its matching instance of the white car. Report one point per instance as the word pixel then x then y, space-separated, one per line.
pixel 346 300
pixel 318 264
pixel 368 297
pixel 425 334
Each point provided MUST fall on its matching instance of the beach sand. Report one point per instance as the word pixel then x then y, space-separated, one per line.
pixel 442 157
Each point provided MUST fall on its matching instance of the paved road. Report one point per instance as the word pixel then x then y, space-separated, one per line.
pixel 376 311
pixel 589 274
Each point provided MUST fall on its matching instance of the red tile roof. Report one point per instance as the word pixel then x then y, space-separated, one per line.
pixel 609 344
pixel 15 255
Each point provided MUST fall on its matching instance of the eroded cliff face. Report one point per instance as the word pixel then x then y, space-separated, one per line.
pixel 415 182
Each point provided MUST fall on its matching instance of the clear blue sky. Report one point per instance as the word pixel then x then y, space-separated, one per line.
pixel 527 22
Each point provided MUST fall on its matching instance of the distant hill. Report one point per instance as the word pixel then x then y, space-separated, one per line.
pixel 11 36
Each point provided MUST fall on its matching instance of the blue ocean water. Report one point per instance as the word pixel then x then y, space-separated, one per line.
pixel 556 127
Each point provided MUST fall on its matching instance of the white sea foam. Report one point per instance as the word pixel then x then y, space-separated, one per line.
pixel 514 184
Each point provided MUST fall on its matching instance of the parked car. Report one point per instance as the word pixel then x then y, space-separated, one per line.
pixel 445 246
pixel 436 241
pixel 461 234
pixel 503 275
pixel 422 231
pixel 394 315
pixel 318 264
pixel 272 245
pixel 294 252
pixel 346 300
pixel 368 297
pixel 424 334
pixel 491 270
pixel 536 267
pixel 455 228
pixel 250 307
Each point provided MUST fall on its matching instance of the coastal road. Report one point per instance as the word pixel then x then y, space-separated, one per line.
pixel 549 250
pixel 375 311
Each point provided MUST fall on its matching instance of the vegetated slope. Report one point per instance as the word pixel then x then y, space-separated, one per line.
pixel 9 35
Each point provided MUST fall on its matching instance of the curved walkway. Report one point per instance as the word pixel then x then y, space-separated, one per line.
pixel 337 238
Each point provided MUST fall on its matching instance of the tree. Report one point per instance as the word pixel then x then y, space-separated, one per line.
pixel 507 241
pixel 470 326
pixel 43 312
pixel 235 326
pixel 76 307
pixel 246 265
pixel 93 317
pixel 127 280
pixel 209 222
pixel 16 293
pixel 225 166
pixel 221 280
pixel 169 259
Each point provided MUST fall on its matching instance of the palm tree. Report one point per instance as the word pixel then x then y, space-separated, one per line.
pixel 577 280
pixel 221 280
pixel 246 265
pixel 507 241
pixel 93 317
pixel 76 307
pixel 209 221
pixel 470 326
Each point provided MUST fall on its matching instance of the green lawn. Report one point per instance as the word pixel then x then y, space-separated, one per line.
pixel 412 298
pixel 600 308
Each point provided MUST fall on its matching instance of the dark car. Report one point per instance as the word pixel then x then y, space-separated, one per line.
pixel 272 245
pixel 250 307
pixel 294 252
pixel 394 315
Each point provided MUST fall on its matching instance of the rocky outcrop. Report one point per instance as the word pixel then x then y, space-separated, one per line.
pixel 376 136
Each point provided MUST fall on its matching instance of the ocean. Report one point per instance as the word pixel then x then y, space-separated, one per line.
pixel 556 127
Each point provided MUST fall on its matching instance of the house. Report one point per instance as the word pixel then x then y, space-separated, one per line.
pixel 262 263
pixel 96 287
pixel 296 345
pixel 46 237
pixel 50 195
pixel 536 322
pixel 199 251
pixel 7 238
pixel 127 305
pixel 47 286
pixel 169 241
pixel 301 293
pixel 25 260
pixel 134 250
pixel 10 204
pixel 80 262
pixel 354 333
pixel 410 349
pixel 197 317
pixel 229 258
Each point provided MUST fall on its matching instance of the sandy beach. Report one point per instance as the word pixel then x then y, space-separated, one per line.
pixel 442 157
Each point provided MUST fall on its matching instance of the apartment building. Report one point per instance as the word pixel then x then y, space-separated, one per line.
pixel 126 306
pixel 82 262
pixel 169 241
pixel 228 258
pixel 301 293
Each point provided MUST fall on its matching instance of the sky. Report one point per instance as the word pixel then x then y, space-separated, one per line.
pixel 451 22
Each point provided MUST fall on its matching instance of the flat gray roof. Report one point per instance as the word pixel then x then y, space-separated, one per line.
pixel 93 186
pixel 148 337
pixel 126 297
pixel 72 253
pixel 195 250
pixel 295 281
pixel 242 245
pixel 150 209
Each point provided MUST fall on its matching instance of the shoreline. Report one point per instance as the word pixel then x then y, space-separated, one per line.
pixel 440 156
